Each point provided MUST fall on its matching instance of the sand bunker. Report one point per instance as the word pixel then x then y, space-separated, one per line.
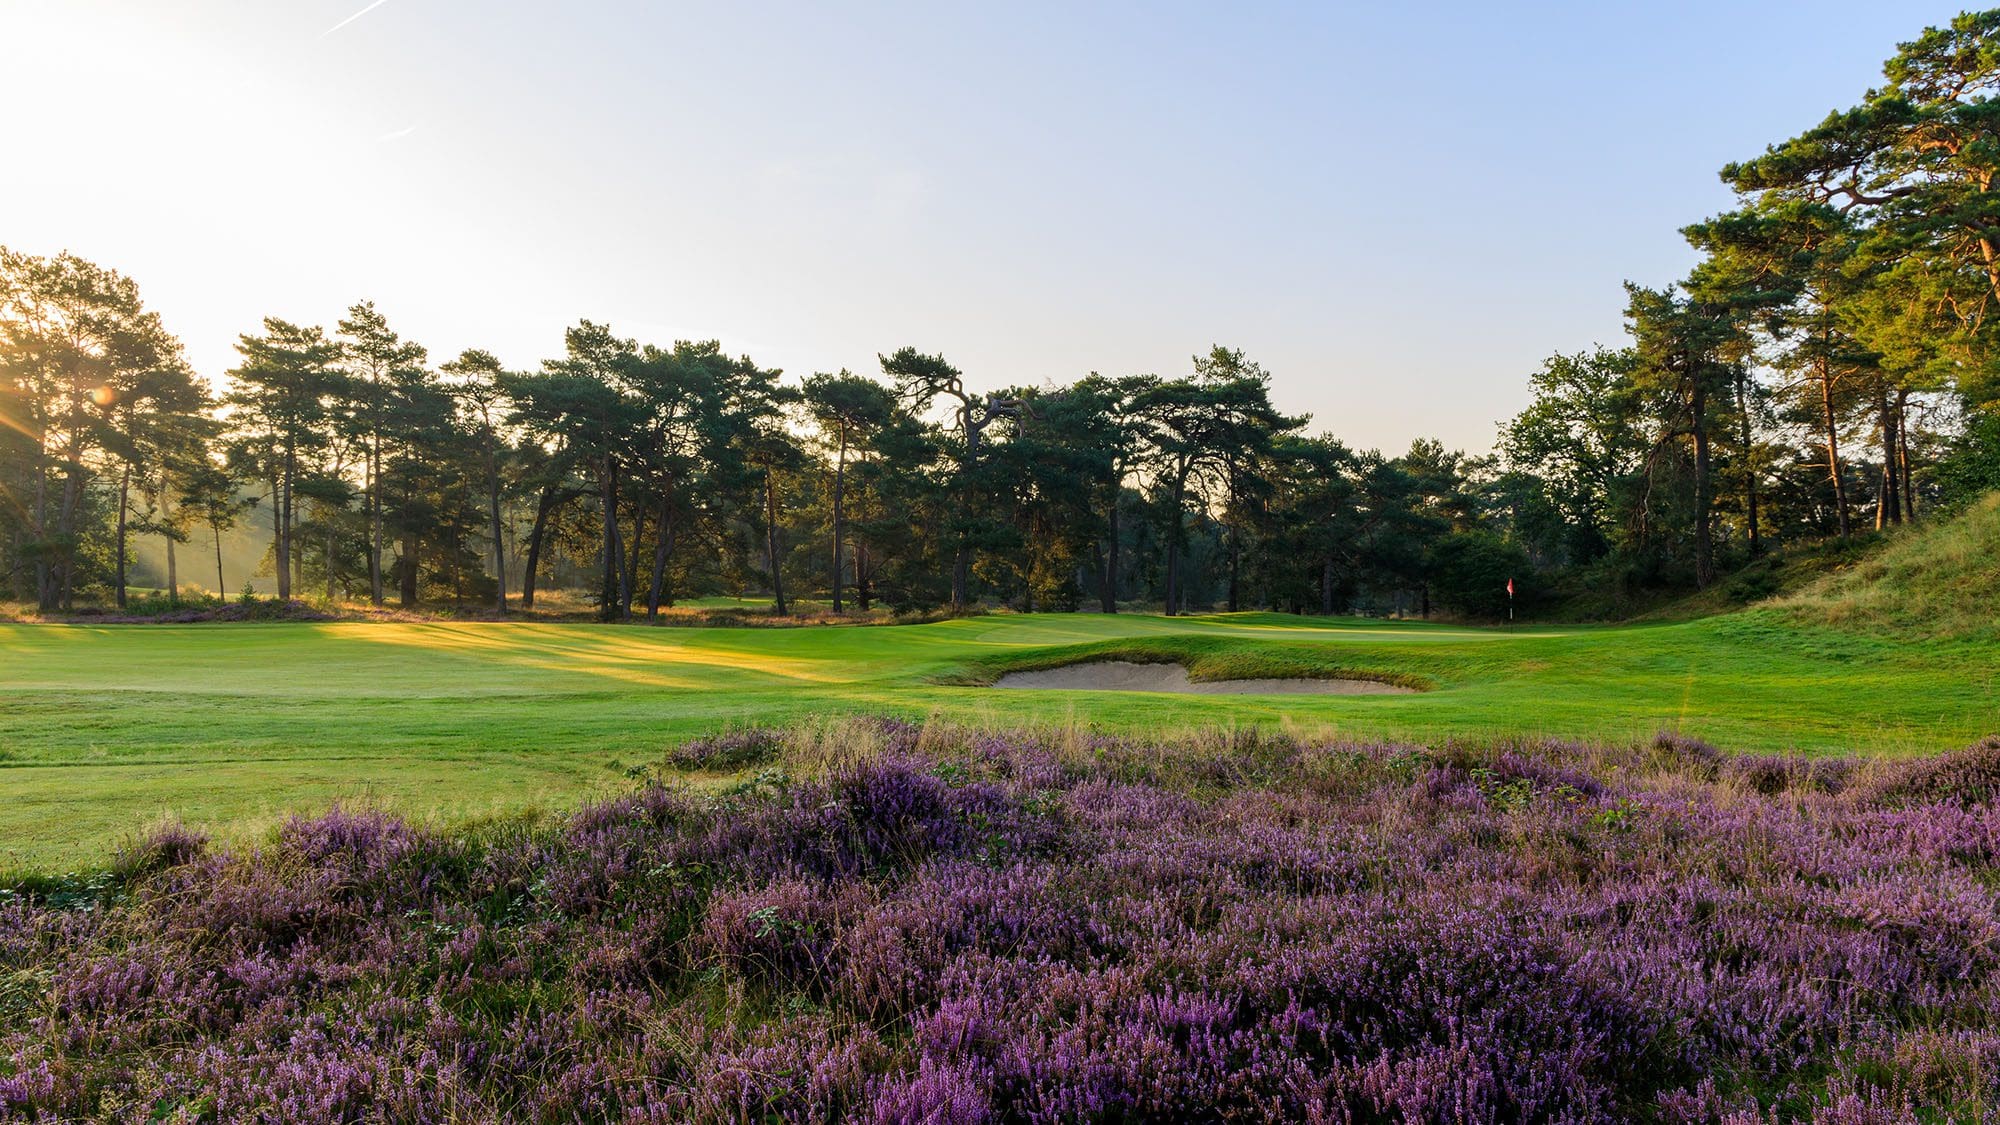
pixel 1123 675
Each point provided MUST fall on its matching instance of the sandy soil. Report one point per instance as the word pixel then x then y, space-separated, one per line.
pixel 1122 675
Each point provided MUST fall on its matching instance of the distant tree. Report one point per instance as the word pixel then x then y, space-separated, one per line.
pixel 1196 426
pixel 581 405
pixel 921 380
pixel 1577 441
pixel 212 493
pixel 910 478
pixel 157 423
pixel 280 408
pixel 680 393
pixel 80 359
pixel 1118 433
pixel 847 408
pixel 378 360
pixel 180 448
pixel 1680 344
pixel 476 383
pixel 758 452
pixel 1315 515
pixel 1791 267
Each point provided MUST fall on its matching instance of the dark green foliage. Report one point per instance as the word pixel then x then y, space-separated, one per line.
pixel 1970 467
pixel 1470 570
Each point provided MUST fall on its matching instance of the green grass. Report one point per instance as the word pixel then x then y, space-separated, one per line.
pixel 1931 581
pixel 106 728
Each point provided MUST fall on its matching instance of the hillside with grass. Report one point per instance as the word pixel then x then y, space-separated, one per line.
pixel 1938 580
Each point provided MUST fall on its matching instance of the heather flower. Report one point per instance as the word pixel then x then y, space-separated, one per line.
pixel 1970 776
pixel 976 928
pixel 732 751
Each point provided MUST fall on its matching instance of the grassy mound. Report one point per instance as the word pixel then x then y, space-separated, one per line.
pixel 952 926
pixel 1937 580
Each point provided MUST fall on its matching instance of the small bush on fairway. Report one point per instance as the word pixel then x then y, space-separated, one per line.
pixel 958 927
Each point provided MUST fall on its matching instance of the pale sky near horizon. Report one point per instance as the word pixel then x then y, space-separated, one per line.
pixel 1397 210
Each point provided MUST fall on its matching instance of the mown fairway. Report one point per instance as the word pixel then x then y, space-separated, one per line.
pixel 105 729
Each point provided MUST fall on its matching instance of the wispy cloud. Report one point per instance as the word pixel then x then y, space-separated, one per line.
pixel 398 134
pixel 352 18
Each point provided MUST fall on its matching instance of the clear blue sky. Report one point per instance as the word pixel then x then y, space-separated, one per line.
pixel 1398 209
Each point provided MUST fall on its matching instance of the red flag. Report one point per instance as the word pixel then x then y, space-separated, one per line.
pixel 1510 587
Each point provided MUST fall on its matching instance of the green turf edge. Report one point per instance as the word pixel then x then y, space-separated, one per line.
pixel 1207 659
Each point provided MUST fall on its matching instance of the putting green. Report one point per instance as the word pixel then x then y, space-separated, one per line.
pixel 105 728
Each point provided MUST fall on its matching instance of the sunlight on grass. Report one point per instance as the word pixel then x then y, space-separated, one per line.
pixel 103 728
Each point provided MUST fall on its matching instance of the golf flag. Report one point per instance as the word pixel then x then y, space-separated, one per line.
pixel 1510 587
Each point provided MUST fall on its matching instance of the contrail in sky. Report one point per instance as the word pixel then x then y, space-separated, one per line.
pixel 352 18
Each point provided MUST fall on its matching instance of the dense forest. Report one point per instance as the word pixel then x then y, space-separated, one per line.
pixel 1828 367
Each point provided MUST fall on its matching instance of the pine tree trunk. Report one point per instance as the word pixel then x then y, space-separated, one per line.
pixel 1890 510
pixel 282 516
pixel 961 563
pixel 292 543
pixel 45 596
pixel 124 499
pixel 535 534
pixel 1704 534
pixel 374 490
pixel 1749 462
pixel 330 594
pixel 167 519
pixel 221 586
pixel 839 522
pixel 408 568
pixel 961 576
pixel 66 511
pixel 1235 559
pixel 628 590
pixel 661 552
pixel 1833 444
pixel 1903 454
pixel 499 547
pixel 607 593
pixel 771 543
pixel 1174 546
pixel 1108 593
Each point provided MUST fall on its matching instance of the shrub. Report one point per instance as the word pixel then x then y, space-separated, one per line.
pixel 988 931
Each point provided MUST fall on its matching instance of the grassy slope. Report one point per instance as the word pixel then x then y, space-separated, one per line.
pixel 1932 581
pixel 103 729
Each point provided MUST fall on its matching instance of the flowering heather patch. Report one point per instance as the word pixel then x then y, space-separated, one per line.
pixel 728 751
pixel 985 928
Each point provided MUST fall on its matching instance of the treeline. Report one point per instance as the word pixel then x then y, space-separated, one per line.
pixel 644 474
pixel 1827 367
pixel 1829 364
